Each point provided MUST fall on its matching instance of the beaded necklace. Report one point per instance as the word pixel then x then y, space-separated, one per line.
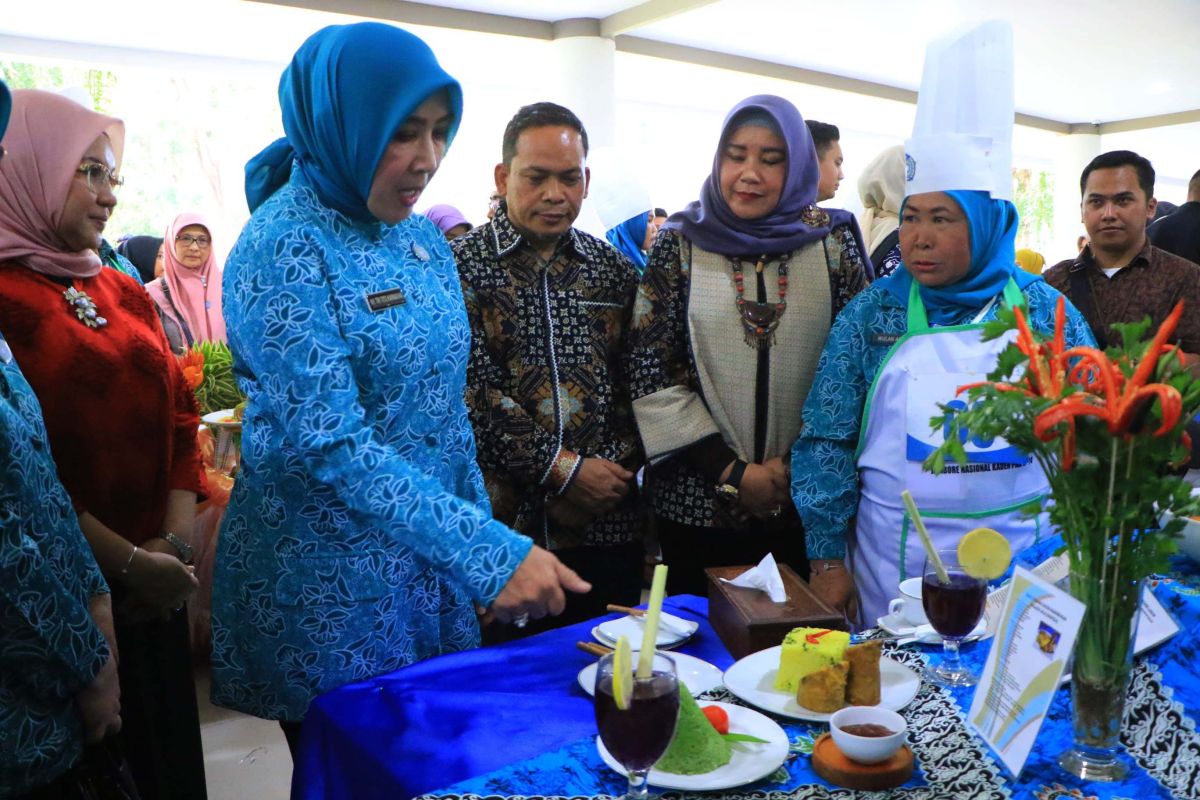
pixel 759 320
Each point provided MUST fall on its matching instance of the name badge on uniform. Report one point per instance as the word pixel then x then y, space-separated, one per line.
pixel 884 339
pixel 380 301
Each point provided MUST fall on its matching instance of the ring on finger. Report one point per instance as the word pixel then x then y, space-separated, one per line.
pixel 521 621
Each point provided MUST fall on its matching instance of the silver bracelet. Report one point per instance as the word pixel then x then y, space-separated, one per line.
pixel 132 553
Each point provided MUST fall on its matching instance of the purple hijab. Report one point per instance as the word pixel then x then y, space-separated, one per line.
pixel 710 224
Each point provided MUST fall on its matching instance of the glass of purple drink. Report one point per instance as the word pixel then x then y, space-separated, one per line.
pixel 954 609
pixel 638 736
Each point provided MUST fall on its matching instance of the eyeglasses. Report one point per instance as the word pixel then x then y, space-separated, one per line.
pixel 188 240
pixel 98 176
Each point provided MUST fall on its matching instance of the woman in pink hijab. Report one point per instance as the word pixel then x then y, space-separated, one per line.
pixel 188 295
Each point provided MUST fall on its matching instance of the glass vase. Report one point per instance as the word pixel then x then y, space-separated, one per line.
pixel 1100 670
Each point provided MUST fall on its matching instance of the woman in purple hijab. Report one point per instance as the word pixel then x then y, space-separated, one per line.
pixel 732 314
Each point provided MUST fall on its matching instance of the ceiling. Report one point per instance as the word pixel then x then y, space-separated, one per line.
pixel 1078 62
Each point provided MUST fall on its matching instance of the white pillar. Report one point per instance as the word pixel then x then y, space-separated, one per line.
pixel 585 64
pixel 1072 154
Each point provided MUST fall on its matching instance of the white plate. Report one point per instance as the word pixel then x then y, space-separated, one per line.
pixel 680 631
pixel 753 679
pixel 221 419
pixel 750 762
pixel 698 675
pixel 893 625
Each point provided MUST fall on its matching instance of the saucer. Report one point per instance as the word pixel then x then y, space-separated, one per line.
pixel 893 625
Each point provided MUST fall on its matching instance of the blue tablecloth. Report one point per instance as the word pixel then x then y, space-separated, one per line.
pixel 512 721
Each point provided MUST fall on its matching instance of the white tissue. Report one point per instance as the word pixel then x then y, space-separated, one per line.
pixel 765 577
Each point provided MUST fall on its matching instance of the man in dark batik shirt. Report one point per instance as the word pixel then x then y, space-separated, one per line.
pixel 1119 276
pixel 549 308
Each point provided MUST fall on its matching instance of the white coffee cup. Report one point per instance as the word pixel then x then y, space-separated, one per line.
pixel 907 607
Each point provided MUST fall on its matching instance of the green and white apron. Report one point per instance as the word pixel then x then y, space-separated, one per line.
pixel 923 369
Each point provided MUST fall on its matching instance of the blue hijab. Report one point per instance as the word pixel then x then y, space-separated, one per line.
pixel 710 223
pixel 629 236
pixel 347 90
pixel 5 107
pixel 993 231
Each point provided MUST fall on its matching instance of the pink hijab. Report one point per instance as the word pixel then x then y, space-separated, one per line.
pixel 197 303
pixel 47 136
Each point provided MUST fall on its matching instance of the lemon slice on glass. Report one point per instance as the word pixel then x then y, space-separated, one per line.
pixel 984 553
pixel 622 674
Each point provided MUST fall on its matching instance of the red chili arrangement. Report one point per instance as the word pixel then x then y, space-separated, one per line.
pixel 1096 386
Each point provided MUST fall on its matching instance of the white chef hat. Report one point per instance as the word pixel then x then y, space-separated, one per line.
pixel 962 136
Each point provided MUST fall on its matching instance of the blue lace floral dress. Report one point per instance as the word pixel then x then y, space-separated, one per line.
pixel 359 533
pixel 51 647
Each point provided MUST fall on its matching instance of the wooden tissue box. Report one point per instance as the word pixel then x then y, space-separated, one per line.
pixel 746 619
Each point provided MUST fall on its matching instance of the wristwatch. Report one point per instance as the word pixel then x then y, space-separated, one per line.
pixel 728 491
pixel 183 548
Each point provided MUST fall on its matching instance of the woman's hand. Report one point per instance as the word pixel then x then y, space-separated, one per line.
pixel 159 582
pixel 536 588
pixel 832 582
pixel 764 490
pixel 99 703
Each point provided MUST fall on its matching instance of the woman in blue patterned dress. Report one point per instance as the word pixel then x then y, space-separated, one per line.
pixel 896 352
pixel 359 536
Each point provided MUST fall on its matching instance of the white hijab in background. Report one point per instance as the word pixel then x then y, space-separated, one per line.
pixel 881 188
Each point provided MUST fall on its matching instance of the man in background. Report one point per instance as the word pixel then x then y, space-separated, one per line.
pixel 826 138
pixel 1179 233
pixel 1119 276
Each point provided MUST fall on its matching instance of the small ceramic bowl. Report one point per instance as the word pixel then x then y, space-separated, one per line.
pixel 868 749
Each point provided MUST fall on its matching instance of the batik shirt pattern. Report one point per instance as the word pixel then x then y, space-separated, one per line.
pixel 546 371
pixel 51 648
pixel 358 534
pixel 824 468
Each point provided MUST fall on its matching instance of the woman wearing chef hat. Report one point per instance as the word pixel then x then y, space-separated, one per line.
pixel 906 343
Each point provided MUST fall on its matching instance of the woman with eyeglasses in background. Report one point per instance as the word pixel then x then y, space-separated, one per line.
pixel 120 420
pixel 188 295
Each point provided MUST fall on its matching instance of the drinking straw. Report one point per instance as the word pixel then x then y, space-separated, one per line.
pixel 658 589
pixel 930 550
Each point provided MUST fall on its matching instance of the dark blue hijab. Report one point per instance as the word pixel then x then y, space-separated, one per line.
pixel 347 90
pixel 709 223
pixel 629 236
pixel 993 231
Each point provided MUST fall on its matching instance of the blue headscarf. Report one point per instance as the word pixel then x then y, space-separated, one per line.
pixel 5 107
pixel 993 231
pixel 629 236
pixel 710 223
pixel 347 90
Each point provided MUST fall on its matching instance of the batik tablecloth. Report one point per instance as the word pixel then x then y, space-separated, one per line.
pixel 512 721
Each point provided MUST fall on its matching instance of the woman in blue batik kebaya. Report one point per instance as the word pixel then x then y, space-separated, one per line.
pixel 898 350
pixel 359 536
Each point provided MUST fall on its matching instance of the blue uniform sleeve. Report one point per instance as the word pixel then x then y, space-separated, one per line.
pixel 284 316
pixel 824 473
pixel 1043 302
pixel 48 633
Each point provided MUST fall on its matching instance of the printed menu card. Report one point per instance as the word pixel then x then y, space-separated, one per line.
pixel 1035 634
